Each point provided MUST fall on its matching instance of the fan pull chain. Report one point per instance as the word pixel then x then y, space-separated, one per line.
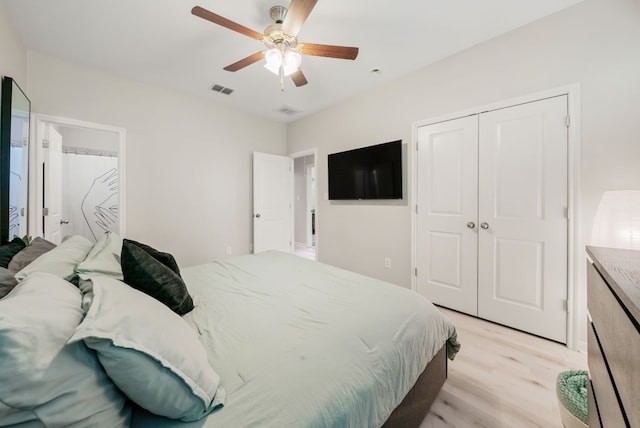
pixel 281 78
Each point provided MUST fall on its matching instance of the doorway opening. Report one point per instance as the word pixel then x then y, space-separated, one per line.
pixel 79 183
pixel 305 204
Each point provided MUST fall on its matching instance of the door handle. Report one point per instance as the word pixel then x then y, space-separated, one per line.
pixel 471 225
pixel 64 221
pixel 257 215
pixel 484 225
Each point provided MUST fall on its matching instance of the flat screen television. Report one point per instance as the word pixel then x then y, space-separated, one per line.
pixel 373 172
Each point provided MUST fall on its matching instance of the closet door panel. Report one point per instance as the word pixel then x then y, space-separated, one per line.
pixel 447 195
pixel 519 272
pixel 522 271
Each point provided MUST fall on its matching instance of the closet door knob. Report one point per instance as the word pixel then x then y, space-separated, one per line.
pixel 471 225
pixel 484 225
pixel 257 215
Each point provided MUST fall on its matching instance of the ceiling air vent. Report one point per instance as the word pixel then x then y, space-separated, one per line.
pixel 287 110
pixel 221 89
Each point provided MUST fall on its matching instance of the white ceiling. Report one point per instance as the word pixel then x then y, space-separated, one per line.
pixel 161 43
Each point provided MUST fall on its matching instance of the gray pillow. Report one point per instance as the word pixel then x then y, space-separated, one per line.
pixel 28 254
pixel 7 282
pixel 8 251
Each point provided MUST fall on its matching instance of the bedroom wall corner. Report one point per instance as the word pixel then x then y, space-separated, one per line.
pixel 12 51
pixel 189 160
pixel 592 44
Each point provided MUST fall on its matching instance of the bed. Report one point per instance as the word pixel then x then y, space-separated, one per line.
pixel 279 341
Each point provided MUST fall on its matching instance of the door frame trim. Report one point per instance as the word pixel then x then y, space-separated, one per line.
pixel 36 191
pixel 300 154
pixel 576 264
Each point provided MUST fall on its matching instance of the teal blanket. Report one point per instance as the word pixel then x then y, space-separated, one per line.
pixel 571 387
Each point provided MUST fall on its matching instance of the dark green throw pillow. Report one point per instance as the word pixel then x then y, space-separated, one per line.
pixel 164 258
pixel 144 272
pixel 9 250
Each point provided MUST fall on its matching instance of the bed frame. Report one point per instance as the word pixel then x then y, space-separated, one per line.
pixel 416 404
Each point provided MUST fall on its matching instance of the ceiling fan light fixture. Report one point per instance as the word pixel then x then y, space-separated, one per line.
pixel 273 60
pixel 292 61
pixel 283 54
pixel 289 62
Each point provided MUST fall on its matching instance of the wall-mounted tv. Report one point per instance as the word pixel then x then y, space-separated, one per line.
pixel 373 172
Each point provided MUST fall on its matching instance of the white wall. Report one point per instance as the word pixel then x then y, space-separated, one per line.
pixel 595 44
pixel 13 55
pixel 188 161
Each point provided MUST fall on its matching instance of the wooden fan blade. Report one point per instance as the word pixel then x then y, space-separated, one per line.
pixel 298 78
pixel 245 62
pixel 342 52
pixel 227 23
pixel 297 13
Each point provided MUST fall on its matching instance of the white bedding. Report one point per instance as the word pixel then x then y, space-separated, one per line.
pixel 302 344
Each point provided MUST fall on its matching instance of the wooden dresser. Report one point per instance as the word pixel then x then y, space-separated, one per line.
pixel 613 301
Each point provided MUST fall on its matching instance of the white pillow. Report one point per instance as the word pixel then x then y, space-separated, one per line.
pixel 43 380
pixel 103 259
pixel 149 352
pixel 61 260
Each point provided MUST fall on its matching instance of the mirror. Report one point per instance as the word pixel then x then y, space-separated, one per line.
pixel 15 112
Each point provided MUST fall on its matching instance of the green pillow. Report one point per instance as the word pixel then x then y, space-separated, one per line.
pixel 104 258
pixel 164 258
pixel 61 260
pixel 152 355
pixel 45 382
pixel 145 273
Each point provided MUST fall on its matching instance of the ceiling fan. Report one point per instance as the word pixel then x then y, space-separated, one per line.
pixel 283 55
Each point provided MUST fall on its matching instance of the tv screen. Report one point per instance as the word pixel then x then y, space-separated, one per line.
pixel 373 172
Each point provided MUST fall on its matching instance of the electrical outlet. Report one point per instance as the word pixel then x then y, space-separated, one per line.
pixel 228 251
pixel 387 263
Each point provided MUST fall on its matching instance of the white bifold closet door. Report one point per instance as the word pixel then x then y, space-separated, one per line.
pixel 492 216
pixel 447 241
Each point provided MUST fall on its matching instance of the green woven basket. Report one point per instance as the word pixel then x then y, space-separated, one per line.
pixel 571 388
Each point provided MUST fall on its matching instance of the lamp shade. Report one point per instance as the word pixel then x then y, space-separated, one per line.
pixel 288 60
pixel 292 60
pixel 617 220
pixel 273 60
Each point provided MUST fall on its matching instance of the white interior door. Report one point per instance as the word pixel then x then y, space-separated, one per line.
pixel 447 213
pixel 272 203
pixel 522 256
pixel 310 176
pixel 52 213
pixel 492 216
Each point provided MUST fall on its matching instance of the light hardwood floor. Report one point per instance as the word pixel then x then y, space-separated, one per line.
pixel 501 378
pixel 304 251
